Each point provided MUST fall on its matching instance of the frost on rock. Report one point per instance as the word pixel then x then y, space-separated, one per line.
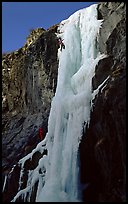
pixel 70 110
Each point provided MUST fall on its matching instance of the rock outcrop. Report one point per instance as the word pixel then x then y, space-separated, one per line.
pixel 29 83
pixel 103 148
pixel 29 78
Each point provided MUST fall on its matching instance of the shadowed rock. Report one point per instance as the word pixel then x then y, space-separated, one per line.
pixel 103 148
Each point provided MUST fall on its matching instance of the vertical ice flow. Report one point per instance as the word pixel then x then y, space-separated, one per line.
pixel 71 105
pixel 70 110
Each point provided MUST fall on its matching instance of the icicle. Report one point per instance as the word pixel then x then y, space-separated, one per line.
pixel 5 179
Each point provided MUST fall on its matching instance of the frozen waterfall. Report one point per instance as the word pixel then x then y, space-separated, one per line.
pixel 70 110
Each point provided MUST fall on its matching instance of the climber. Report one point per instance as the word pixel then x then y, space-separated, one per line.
pixel 61 44
pixel 41 134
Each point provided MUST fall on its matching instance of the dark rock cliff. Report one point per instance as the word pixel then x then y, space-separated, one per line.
pixel 29 78
pixel 103 147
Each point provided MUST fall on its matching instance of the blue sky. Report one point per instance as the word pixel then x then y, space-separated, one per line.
pixel 19 17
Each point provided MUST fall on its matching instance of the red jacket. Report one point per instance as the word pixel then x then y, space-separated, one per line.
pixel 41 133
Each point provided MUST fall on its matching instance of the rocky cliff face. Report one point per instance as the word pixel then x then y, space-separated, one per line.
pixel 29 83
pixel 29 77
pixel 103 149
